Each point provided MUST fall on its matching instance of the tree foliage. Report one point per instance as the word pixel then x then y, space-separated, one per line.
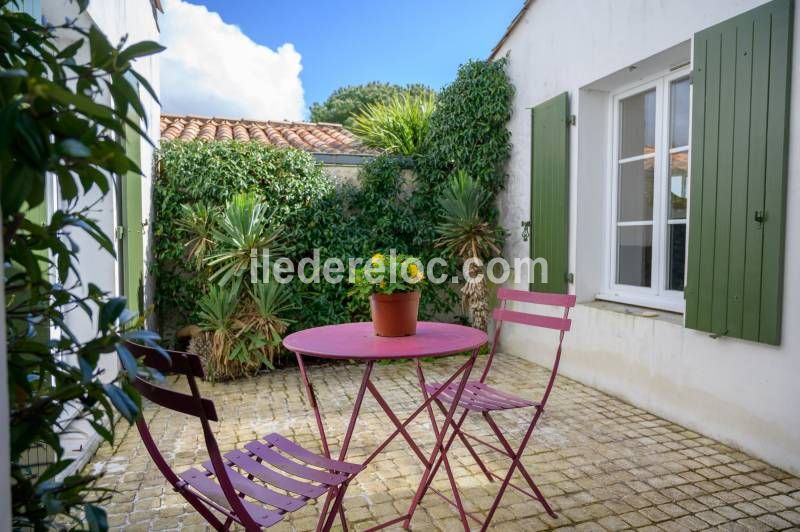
pixel 399 126
pixel 53 125
pixel 346 102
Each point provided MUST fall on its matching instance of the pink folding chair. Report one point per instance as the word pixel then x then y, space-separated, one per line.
pixel 255 486
pixel 485 399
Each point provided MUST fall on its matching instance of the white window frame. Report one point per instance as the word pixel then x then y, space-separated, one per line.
pixel 656 295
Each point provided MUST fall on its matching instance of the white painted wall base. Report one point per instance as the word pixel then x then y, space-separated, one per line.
pixel 726 389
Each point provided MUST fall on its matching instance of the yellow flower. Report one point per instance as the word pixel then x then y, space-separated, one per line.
pixel 377 259
pixel 413 271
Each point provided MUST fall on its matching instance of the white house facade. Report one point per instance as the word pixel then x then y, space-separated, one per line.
pixel 124 212
pixel 656 147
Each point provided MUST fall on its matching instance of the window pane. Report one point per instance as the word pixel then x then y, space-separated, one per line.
pixel 637 131
pixel 635 191
pixel 679 113
pixel 634 255
pixel 676 256
pixel 678 185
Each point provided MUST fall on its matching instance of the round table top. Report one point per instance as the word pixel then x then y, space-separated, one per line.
pixel 358 341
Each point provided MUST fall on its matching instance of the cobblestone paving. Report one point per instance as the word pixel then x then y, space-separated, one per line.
pixel 603 464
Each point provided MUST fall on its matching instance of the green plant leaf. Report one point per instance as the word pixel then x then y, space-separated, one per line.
pixel 96 518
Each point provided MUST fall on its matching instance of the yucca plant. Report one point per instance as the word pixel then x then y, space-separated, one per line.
pixel 269 302
pixel 219 319
pixel 198 224
pixel 242 323
pixel 466 233
pixel 399 126
pixel 245 225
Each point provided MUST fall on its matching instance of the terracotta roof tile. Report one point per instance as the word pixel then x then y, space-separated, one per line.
pixel 312 137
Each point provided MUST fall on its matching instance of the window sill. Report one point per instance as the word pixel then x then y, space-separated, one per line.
pixel 644 302
pixel 639 312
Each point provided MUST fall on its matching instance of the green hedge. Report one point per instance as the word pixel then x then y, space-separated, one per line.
pixel 357 221
pixel 213 172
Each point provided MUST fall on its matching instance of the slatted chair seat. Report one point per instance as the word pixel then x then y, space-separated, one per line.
pixel 265 465
pixel 256 486
pixel 480 397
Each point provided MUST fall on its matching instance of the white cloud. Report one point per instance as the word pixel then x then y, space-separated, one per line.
pixel 211 68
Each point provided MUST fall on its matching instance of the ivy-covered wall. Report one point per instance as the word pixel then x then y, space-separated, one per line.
pixel 212 173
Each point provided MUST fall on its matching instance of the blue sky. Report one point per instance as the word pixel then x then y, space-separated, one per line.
pixel 356 41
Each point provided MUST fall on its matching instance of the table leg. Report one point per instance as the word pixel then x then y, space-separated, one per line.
pixel 397 423
pixel 350 428
pixel 424 482
pixel 312 399
pixel 366 384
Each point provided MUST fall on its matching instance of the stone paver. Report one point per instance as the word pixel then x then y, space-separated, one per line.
pixel 602 463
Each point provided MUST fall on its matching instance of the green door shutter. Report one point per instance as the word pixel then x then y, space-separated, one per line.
pixel 740 121
pixel 550 193
pixel 132 244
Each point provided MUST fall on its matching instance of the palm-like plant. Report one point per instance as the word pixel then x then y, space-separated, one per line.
pixel 269 302
pixel 218 319
pixel 399 126
pixel 465 233
pixel 198 223
pixel 241 322
pixel 245 226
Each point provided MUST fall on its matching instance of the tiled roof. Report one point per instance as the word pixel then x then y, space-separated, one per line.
pixel 319 137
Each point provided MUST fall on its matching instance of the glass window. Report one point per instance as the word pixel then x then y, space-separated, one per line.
pixel 637 131
pixel 634 255
pixel 676 256
pixel 652 180
pixel 678 184
pixel 635 194
pixel 679 113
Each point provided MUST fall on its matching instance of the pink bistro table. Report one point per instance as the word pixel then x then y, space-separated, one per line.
pixel 357 341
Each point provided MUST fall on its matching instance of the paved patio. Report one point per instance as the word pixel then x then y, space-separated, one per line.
pixel 603 464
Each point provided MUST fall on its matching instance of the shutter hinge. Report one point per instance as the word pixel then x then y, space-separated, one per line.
pixel 571 278
pixel 571 120
pixel 526 230
pixel 119 232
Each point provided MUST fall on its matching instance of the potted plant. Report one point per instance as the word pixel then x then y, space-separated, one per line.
pixel 393 287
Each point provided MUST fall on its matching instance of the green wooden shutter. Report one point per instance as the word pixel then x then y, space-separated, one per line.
pixel 740 121
pixel 132 244
pixel 550 192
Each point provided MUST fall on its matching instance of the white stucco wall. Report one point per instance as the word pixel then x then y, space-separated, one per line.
pixel 740 392
pixel 117 18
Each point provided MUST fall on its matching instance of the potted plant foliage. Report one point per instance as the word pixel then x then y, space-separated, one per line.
pixel 393 287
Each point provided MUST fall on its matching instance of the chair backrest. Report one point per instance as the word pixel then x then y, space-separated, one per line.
pixel 501 314
pixel 173 362
pixel 193 404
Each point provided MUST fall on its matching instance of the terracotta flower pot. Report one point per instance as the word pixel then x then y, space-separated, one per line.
pixel 394 314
